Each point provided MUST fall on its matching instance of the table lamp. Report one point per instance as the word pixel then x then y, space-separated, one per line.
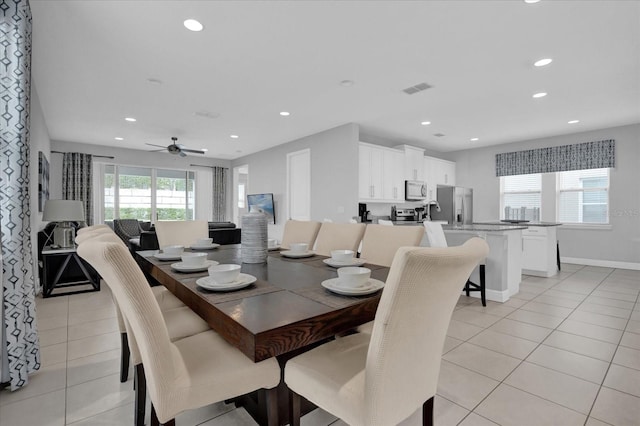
pixel 63 212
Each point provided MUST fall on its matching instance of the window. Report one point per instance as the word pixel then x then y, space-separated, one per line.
pixel 520 197
pixel 148 194
pixel 583 196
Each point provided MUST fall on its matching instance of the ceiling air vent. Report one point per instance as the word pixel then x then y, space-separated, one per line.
pixel 439 135
pixel 417 88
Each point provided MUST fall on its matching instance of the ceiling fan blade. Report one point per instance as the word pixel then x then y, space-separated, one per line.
pixel 159 146
pixel 157 150
pixel 182 154
pixel 195 151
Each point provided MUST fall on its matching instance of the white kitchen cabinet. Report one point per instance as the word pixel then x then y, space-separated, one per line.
pixel 413 162
pixel 370 172
pixel 539 251
pixel 393 175
pixel 438 172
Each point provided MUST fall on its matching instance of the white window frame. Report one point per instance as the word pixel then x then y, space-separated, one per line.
pixel 559 191
pixel 503 192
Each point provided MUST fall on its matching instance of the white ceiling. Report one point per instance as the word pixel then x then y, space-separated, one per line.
pixel 92 61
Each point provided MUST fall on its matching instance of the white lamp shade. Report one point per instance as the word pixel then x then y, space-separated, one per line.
pixel 63 211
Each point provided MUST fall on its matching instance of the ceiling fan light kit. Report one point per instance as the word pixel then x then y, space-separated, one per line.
pixel 177 149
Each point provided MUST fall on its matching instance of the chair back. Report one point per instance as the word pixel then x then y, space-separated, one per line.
pixel 299 231
pixel 435 234
pixel 93 228
pixel 126 229
pixel 339 236
pixel 116 266
pixel 92 231
pixel 180 232
pixel 420 294
pixel 380 242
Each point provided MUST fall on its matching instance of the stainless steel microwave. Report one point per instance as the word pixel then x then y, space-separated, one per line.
pixel 415 190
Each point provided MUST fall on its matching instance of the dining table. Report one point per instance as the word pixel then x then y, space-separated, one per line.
pixel 283 313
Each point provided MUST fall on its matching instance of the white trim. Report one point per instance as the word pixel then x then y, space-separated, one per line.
pixel 494 295
pixel 587 226
pixel 604 263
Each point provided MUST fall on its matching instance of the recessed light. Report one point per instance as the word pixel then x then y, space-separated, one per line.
pixel 531 1
pixel 542 62
pixel 425 123
pixel 131 119
pixel 347 83
pixel 573 121
pixel 193 25
pixel 234 136
pixel 473 139
pixel 204 149
pixel 540 95
pixel 285 113
pixel 119 138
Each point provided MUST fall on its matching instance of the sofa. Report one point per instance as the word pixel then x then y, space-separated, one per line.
pixel 222 233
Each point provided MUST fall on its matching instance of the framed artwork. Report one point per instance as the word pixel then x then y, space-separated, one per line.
pixel 43 180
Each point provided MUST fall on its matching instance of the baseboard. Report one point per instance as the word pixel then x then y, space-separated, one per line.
pixel 603 263
pixel 494 295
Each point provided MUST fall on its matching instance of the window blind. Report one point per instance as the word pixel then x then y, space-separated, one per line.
pixel 583 196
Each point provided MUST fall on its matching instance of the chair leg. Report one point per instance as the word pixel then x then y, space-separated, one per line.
pixel 140 395
pixel 272 407
pixel 124 357
pixel 466 288
pixel 558 254
pixel 156 422
pixel 482 286
pixel 294 408
pixel 427 412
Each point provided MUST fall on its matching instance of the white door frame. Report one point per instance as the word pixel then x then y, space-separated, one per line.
pixel 290 156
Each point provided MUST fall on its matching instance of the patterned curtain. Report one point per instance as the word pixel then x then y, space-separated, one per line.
pixel 581 156
pixel 77 172
pixel 219 194
pixel 20 352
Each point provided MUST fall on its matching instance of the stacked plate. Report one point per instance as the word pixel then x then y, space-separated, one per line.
pixel 243 280
pixel 341 263
pixel 336 286
pixel 297 255
pixel 168 256
pixel 182 267
pixel 204 247
pixel 254 238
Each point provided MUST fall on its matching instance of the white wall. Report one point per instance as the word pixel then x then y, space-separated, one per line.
pixel 619 242
pixel 124 156
pixel 334 174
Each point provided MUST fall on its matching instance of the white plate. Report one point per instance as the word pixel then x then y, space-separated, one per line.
pixel 273 248
pixel 243 281
pixel 168 256
pixel 180 266
pixel 339 263
pixel 207 247
pixel 372 286
pixel 289 253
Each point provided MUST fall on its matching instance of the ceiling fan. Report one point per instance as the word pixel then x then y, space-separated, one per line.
pixel 177 149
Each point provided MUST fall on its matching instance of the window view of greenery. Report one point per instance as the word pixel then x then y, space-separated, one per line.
pixel 521 195
pixel 170 196
pixel 583 196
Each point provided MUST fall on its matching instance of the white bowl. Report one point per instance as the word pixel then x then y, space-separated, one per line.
pixel 224 273
pixel 193 259
pixel 298 247
pixel 204 241
pixel 342 255
pixel 173 249
pixel 353 276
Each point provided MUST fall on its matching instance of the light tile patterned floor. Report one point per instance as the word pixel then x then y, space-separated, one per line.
pixel 565 350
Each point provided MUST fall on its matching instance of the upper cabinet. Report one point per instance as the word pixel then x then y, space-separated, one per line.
pixel 438 172
pixel 380 175
pixel 413 162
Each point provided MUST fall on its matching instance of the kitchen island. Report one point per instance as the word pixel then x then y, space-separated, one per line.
pixel 540 247
pixel 503 271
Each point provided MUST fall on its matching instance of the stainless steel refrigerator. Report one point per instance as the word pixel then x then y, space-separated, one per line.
pixel 456 205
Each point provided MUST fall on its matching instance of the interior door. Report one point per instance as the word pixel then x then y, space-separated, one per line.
pixel 299 185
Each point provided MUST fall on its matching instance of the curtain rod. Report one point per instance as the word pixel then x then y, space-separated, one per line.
pixel 202 165
pixel 99 156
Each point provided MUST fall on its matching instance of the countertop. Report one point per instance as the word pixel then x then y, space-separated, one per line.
pixel 487 227
pixel 525 224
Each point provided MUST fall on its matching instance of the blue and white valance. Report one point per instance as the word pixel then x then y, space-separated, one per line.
pixel 581 156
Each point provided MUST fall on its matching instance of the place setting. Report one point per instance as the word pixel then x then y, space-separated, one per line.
pixel 298 251
pixel 193 262
pixel 353 281
pixel 225 277
pixel 342 258
pixel 170 253
pixel 204 244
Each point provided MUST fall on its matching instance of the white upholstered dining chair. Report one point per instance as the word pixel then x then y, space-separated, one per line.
pixel 380 242
pixel 191 372
pixel 338 236
pixel 385 222
pixel 436 237
pixel 383 377
pixel 180 232
pixel 299 231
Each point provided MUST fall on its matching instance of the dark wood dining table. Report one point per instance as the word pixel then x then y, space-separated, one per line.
pixel 283 313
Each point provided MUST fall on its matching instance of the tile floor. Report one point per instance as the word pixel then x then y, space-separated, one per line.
pixel 563 351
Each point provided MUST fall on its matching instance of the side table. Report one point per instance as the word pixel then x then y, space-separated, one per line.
pixel 62 267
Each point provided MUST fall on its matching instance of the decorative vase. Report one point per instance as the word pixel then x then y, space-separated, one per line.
pixel 253 237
